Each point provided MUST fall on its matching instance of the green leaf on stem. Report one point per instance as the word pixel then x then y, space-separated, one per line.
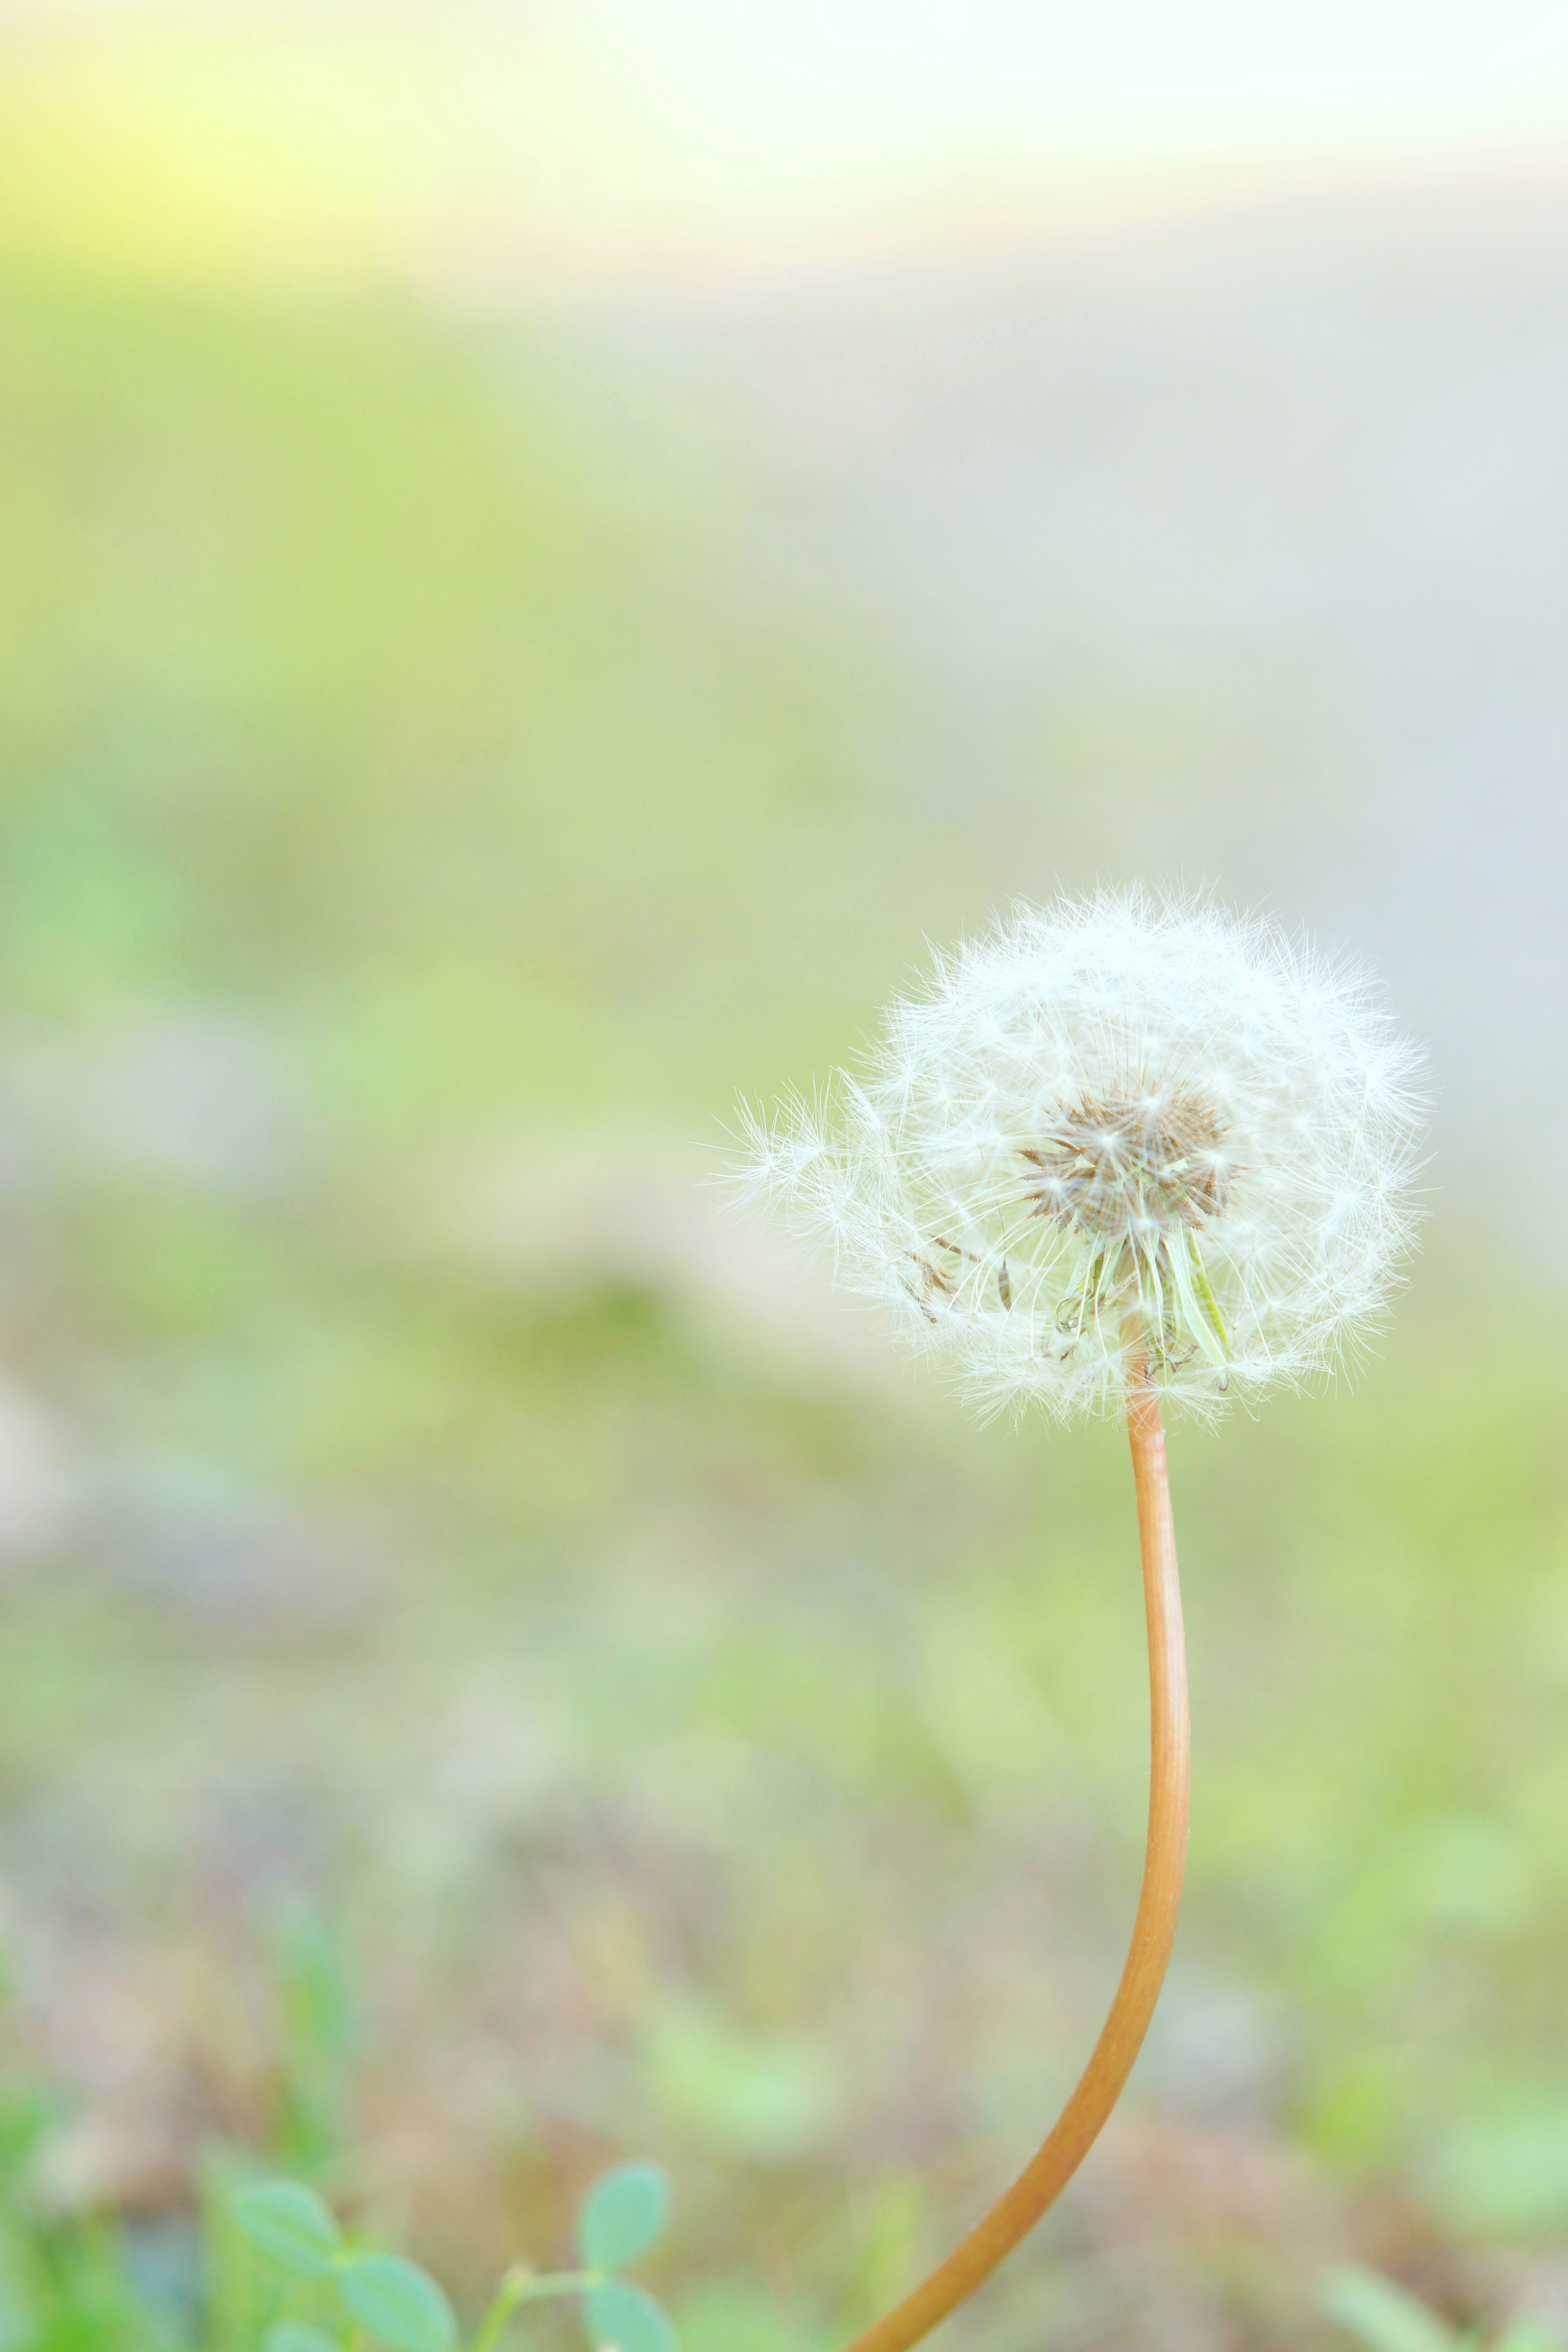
pixel 288 2225
pixel 397 2303
pixel 622 2215
pixel 626 2317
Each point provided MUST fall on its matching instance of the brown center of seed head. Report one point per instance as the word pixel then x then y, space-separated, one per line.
pixel 1128 1159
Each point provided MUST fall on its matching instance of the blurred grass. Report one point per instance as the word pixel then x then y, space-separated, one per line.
pixel 699 1751
pixel 347 671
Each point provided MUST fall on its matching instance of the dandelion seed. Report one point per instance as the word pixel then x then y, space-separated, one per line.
pixel 1170 1131
pixel 1121 1151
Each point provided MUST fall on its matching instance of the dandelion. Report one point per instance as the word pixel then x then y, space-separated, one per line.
pixel 1120 1152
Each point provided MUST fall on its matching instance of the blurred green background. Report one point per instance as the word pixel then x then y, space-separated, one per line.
pixel 497 1669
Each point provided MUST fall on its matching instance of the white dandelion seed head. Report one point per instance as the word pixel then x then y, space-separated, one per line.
pixel 1116 1131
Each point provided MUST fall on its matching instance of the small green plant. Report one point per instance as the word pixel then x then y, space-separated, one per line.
pixel 1386 2317
pixel 395 2303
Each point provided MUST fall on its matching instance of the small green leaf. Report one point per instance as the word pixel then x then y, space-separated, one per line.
pixel 622 2215
pixel 1381 2315
pixel 295 2335
pixel 628 2319
pixel 396 2303
pixel 289 2223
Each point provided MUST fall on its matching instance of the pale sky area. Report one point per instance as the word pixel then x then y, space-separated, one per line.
pixel 604 137
pixel 1221 70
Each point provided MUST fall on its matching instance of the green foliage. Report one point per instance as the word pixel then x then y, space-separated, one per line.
pixel 765 2096
pixel 67 2286
pixel 289 2225
pixel 400 2305
pixel 740 2314
pixel 396 2303
pixel 1386 2317
pixel 1382 2314
pixel 622 2215
pixel 318 2022
pixel 628 2319
pixel 1506 2178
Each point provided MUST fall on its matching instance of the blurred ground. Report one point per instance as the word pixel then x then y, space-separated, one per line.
pixel 496 1667
pixel 1235 550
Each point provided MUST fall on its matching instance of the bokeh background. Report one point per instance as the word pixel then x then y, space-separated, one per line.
pixel 543 553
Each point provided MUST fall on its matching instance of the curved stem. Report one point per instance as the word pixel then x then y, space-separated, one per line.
pixel 1041 2183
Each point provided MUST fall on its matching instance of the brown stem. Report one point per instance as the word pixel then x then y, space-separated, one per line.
pixel 990 2240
